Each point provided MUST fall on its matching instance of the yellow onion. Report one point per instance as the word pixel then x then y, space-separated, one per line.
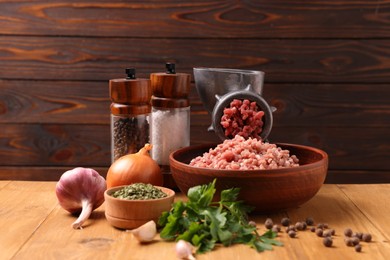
pixel 135 168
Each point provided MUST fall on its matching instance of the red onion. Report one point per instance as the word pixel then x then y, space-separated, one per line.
pixel 80 191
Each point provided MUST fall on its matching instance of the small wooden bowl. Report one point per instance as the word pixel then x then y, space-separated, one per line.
pixel 266 190
pixel 130 214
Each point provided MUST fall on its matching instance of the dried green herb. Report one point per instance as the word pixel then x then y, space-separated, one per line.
pixel 139 191
pixel 204 223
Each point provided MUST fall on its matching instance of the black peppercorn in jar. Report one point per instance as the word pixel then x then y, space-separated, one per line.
pixel 130 111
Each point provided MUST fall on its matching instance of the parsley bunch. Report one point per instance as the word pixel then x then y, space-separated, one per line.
pixel 205 223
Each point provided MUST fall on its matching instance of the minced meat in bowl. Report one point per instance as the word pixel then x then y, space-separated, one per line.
pixel 281 184
pixel 245 154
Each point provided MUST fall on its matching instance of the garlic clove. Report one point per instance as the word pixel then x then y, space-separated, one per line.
pixel 184 250
pixel 146 232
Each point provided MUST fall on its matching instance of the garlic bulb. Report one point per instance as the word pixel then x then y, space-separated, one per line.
pixel 80 191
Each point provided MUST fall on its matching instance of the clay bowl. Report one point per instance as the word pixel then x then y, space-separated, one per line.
pixel 130 214
pixel 265 190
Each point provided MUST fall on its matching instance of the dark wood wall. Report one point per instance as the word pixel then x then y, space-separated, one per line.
pixel 327 67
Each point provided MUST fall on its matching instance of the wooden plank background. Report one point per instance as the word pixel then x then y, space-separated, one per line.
pixel 326 64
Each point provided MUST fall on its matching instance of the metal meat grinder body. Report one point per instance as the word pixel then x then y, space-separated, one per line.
pixel 217 87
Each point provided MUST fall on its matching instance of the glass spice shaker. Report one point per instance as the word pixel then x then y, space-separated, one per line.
pixel 170 117
pixel 130 111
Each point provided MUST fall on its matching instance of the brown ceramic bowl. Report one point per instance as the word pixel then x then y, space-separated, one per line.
pixel 266 190
pixel 130 214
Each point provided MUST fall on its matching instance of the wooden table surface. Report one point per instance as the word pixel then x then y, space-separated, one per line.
pixel 34 226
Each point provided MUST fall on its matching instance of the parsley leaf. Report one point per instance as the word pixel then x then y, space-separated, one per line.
pixel 173 221
pixel 202 195
pixel 205 223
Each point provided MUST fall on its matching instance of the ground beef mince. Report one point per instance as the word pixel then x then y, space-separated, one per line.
pixel 245 154
pixel 242 118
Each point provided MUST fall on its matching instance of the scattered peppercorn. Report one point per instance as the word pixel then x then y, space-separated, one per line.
pixel 292 233
pixel 276 228
pixel 309 221
pixel 299 226
pixel 268 223
pixel 304 225
pixel 327 241
pixel 355 240
pixel 291 227
pixel 348 241
pixel 285 222
pixel 358 248
pixel 366 237
pixel 252 223
pixel 326 225
pixel 319 232
pixel 358 235
pixel 320 225
pixel 327 233
pixel 348 232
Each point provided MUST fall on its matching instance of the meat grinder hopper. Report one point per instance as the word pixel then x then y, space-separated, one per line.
pixel 217 87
